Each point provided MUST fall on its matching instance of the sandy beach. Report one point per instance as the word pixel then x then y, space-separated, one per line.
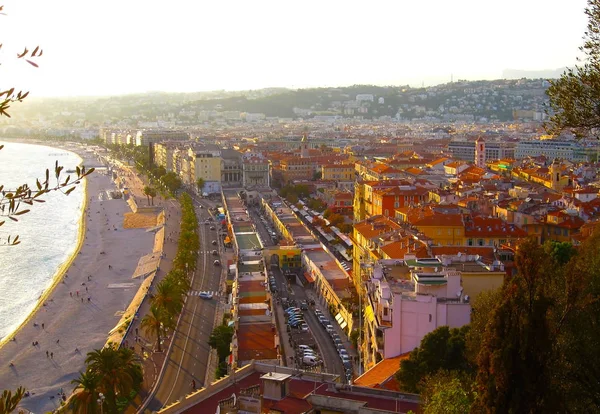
pixel 83 307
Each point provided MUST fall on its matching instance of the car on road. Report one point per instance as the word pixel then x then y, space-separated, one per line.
pixel 214 242
pixel 206 295
pixel 206 221
pixel 212 227
pixel 304 305
pixel 217 263
pixel 215 253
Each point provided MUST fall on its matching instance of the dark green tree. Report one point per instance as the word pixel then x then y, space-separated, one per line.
pixel 200 186
pixel 514 371
pixel 444 348
pixel 220 339
pixel 118 371
pixel 575 96
pixel 85 397
pixel 449 392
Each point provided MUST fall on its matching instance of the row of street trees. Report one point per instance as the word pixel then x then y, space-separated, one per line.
pixel 168 299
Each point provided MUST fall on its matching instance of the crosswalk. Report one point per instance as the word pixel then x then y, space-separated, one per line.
pixel 197 292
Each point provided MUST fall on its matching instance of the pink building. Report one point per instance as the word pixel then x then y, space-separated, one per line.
pixel 408 299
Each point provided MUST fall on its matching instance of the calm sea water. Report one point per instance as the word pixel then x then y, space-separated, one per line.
pixel 48 233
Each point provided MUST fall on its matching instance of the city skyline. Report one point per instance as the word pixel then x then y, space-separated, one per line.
pixel 139 46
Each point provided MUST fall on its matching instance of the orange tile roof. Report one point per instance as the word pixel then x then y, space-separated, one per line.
pixel 381 373
pixel 398 249
pixel 438 219
pixel 376 226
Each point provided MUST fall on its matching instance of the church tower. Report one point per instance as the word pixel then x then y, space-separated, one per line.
pixel 555 175
pixel 480 152
pixel 304 147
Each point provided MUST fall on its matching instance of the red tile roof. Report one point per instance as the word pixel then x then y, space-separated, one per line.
pixel 382 373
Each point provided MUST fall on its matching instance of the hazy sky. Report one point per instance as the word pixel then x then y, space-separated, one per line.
pixel 124 46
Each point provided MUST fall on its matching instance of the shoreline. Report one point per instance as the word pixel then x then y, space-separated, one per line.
pixel 50 350
pixel 64 266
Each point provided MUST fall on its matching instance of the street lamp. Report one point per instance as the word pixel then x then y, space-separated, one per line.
pixel 101 399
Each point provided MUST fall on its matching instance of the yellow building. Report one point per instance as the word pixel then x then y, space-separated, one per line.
pixel 337 172
pixel 442 229
pixel 205 165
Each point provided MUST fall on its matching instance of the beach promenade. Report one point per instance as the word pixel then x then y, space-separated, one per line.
pixel 84 306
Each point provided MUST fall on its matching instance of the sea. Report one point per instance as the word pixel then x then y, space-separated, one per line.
pixel 48 233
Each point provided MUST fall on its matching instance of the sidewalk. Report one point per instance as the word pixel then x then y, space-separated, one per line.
pixel 144 347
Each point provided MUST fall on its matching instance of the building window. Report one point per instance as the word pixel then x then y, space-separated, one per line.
pixel 481 242
pixel 470 242
pixel 385 311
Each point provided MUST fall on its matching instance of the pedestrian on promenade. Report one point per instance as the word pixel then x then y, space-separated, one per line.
pixel 81 300
pixel 57 341
pixel 51 355
pixel 77 293
pixel 71 294
pixel 47 354
pixel 42 326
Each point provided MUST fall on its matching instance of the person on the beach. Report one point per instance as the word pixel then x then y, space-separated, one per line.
pixel 47 354
pixel 42 326
pixel 57 341
pixel 51 355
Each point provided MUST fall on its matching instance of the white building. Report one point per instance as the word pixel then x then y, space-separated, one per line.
pixel 407 300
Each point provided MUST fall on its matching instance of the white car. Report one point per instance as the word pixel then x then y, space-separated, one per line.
pixel 304 327
pixel 206 295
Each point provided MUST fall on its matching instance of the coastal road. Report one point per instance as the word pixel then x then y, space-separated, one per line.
pixel 190 351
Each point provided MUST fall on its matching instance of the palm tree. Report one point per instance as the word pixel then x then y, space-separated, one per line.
pixel 152 324
pixel 9 401
pixel 86 400
pixel 118 373
pixel 168 296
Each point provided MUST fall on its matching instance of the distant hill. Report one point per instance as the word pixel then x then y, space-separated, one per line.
pixel 532 74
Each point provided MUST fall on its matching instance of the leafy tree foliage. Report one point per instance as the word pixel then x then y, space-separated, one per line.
pixel 155 322
pixel 220 339
pixel 85 399
pixel 514 358
pixel 443 348
pixel 200 184
pixel 118 372
pixel 447 392
pixel 575 96
pixel 10 400
pixel 172 181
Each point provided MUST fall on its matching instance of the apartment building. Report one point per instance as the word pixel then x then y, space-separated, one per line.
pixel 337 172
pixel 255 170
pixel 406 300
pixel 465 150
pixel 152 136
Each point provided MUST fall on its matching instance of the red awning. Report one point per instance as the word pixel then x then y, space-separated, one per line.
pixel 309 277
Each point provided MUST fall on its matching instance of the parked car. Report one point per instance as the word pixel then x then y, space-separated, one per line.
pixel 304 305
pixel 310 360
pixel 304 327
pixel 304 347
pixel 329 328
